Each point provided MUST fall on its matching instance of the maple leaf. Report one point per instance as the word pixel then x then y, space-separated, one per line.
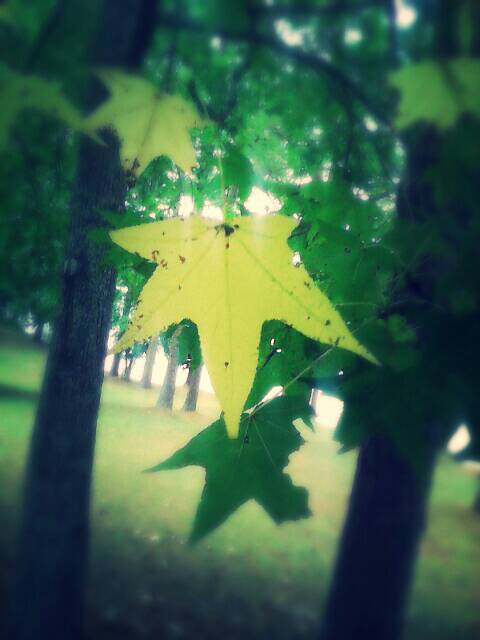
pixel 437 92
pixel 20 91
pixel 248 468
pixel 148 123
pixel 228 279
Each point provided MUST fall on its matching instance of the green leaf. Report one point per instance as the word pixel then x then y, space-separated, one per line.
pixel 148 123
pixel 248 468
pixel 229 279
pixel 20 91
pixel 237 172
pixel 437 92
pixel 189 345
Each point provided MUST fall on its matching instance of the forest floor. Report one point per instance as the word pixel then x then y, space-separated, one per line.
pixel 250 578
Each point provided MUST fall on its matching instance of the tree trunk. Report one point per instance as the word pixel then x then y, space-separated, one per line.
pixel 190 376
pixel 387 510
pixel 128 366
pixel 388 505
pixel 149 362
pixel 378 548
pixel 117 357
pixel 191 399
pixel 48 595
pixel 38 333
pixel 167 392
pixel 314 398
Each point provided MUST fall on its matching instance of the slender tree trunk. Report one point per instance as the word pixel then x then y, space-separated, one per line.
pixel 314 398
pixel 128 370
pixel 377 552
pixel 48 596
pixel 191 399
pixel 117 357
pixel 149 362
pixel 167 392
pixel 190 376
pixel 38 333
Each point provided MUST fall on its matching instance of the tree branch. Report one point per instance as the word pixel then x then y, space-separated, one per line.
pixel 306 9
pixel 308 60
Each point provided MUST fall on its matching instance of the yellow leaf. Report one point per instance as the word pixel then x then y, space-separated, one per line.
pixel 437 92
pixel 20 91
pixel 148 123
pixel 228 279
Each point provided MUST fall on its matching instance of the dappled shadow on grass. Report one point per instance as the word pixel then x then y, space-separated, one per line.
pixel 250 578
pixel 7 391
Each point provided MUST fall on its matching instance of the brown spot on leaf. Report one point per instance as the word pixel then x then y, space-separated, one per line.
pixel 328 322
pixel 226 364
pixel 182 259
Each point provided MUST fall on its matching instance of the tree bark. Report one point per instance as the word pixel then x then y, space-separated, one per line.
pixel 388 506
pixel 149 363
pixel 167 392
pixel 129 360
pixel 48 595
pixel 378 548
pixel 387 510
pixel 117 357
pixel 38 333
pixel 193 380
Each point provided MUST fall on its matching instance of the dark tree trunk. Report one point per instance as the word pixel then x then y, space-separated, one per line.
pixel 388 505
pixel 149 363
pixel 387 510
pixel 378 548
pixel 117 357
pixel 48 595
pixel 167 392
pixel 193 380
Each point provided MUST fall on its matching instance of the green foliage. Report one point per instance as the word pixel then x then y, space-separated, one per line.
pixel 438 92
pixel 311 130
pixel 249 467
pixel 19 92
pixel 148 123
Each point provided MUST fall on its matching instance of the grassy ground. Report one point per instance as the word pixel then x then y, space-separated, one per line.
pixel 250 577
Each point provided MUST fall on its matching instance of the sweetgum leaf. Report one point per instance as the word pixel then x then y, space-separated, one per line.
pixel 437 92
pixel 248 468
pixel 20 91
pixel 237 172
pixel 148 123
pixel 229 279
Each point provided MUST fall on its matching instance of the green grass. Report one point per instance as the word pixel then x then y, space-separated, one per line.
pixel 250 577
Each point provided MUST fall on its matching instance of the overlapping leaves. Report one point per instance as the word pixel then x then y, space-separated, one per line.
pixel 250 467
